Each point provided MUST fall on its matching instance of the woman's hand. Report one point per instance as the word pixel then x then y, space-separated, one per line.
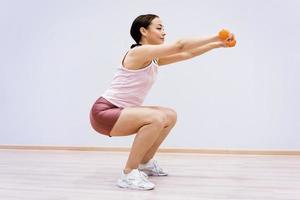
pixel 227 38
pixel 230 41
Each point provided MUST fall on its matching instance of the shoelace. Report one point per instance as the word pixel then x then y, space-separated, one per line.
pixel 157 167
pixel 144 178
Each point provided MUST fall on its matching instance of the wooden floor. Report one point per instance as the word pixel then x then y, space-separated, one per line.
pixel 64 175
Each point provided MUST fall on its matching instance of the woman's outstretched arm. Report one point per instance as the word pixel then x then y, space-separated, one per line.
pixel 180 50
pixel 190 53
pixel 223 39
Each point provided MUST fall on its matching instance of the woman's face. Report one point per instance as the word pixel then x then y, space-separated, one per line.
pixel 155 32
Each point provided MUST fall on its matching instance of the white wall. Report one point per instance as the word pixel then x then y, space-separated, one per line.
pixel 57 57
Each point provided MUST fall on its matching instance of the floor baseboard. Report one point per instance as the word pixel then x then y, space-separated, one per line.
pixel 162 150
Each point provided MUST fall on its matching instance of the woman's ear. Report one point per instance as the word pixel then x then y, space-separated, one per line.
pixel 143 31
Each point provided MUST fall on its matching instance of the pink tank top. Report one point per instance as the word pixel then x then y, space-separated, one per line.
pixel 130 87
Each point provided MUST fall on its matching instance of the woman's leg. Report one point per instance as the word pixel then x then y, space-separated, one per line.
pixel 170 123
pixel 147 123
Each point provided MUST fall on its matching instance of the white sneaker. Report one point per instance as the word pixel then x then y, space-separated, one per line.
pixel 152 169
pixel 135 180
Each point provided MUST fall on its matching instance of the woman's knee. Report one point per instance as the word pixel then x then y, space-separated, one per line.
pixel 171 116
pixel 158 119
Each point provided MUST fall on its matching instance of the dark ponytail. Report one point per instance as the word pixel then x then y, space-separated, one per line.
pixel 140 21
pixel 135 45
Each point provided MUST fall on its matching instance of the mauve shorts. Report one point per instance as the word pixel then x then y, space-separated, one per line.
pixel 104 115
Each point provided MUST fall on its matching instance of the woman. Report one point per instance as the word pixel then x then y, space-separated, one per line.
pixel 119 111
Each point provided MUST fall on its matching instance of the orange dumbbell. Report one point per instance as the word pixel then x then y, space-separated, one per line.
pixel 224 34
pixel 231 43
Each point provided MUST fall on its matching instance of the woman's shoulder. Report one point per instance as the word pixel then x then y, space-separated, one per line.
pixel 134 61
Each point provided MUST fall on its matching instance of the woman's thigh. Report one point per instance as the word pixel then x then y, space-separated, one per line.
pixel 171 114
pixel 132 119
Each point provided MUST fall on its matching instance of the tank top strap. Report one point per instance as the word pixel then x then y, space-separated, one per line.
pixel 154 60
pixel 124 58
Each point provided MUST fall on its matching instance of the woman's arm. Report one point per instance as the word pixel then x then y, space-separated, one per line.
pixel 224 39
pixel 145 53
pixel 190 53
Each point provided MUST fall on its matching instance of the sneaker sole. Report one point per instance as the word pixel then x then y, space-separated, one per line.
pixel 157 174
pixel 149 173
pixel 121 184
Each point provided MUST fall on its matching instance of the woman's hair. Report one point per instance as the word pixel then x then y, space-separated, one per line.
pixel 140 21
